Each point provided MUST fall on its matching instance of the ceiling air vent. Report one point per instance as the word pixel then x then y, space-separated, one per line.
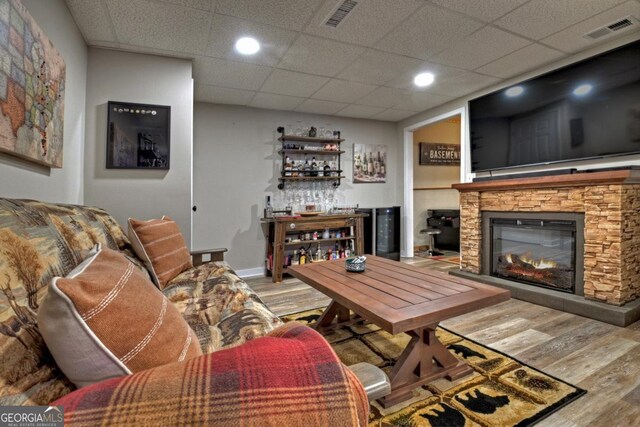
pixel 608 29
pixel 341 12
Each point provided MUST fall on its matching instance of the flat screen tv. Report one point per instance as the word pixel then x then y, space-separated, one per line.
pixel 589 109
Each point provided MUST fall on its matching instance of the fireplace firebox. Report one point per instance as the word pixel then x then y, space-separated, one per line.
pixel 537 249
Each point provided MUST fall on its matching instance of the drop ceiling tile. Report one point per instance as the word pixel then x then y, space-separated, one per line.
pixel 359 111
pixel 92 18
pixel 461 84
pixel 392 115
pixel 421 101
pixel 291 83
pixel 378 68
pixel 226 30
pixel 528 58
pixel 222 95
pixel 427 32
pixel 404 80
pixel 196 4
pixel 540 18
pixel 487 10
pixel 319 56
pixel 147 50
pixel 237 75
pixel 275 102
pixel 383 97
pixel 366 23
pixel 290 14
pixel 480 48
pixel 317 106
pixel 572 39
pixel 343 91
pixel 159 25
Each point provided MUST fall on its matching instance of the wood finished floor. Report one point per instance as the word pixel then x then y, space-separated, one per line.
pixel 601 358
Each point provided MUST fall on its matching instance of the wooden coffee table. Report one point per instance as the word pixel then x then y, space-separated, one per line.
pixel 399 297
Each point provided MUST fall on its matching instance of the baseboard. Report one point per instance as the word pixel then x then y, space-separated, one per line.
pixel 250 272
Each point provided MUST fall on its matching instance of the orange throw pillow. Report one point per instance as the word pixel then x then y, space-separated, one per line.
pixel 160 245
pixel 106 319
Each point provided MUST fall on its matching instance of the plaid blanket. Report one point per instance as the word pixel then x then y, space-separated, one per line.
pixel 291 377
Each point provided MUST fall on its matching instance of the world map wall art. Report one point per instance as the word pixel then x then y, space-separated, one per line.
pixel 32 81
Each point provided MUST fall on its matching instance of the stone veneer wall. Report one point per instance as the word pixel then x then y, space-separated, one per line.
pixel 611 235
pixel 630 247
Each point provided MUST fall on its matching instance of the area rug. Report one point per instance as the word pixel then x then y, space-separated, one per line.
pixel 500 392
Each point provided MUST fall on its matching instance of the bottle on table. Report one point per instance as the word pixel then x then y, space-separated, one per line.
pixel 268 210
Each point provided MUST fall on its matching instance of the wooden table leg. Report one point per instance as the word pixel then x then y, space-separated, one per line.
pixel 331 312
pixel 424 360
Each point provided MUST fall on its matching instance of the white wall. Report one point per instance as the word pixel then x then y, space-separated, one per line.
pixel 144 79
pixel 22 179
pixel 236 165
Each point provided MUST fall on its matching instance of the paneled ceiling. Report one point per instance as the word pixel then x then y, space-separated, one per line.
pixel 363 68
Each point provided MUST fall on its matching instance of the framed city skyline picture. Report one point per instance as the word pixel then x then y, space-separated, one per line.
pixel 138 136
pixel 369 163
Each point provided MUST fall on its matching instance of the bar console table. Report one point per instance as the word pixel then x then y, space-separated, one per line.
pixel 283 234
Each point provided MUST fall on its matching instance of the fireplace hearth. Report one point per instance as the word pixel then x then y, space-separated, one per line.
pixel 539 249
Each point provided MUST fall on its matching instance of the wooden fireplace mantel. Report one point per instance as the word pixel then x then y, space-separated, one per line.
pixel 628 176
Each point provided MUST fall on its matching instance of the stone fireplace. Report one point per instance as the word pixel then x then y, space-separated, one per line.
pixel 537 222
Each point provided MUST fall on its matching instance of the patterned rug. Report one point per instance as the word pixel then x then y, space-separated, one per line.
pixel 500 392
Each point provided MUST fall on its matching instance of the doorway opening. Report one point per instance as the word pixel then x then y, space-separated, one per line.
pixel 435 158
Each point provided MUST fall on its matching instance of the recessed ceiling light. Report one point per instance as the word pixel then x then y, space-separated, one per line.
pixel 582 89
pixel 423 79
pixel 514 91
pixel 247 46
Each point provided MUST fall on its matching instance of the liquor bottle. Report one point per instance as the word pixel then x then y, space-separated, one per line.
pixel 287 166
pixel 341 253
pixel 327 169
pixel 294 169
pixel 268 209
pixel 314 167
pixel 319 253
pixel 329 256
pixel 303 257
pixel 294 259
pixel 370 165
pixel 307 167
pixel 347 251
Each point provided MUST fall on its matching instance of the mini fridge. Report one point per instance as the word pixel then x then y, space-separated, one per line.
pixel 382 232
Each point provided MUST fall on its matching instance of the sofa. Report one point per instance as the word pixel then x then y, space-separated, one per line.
pixel 286 365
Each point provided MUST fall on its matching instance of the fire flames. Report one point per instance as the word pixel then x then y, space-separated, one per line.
pixel 539 264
